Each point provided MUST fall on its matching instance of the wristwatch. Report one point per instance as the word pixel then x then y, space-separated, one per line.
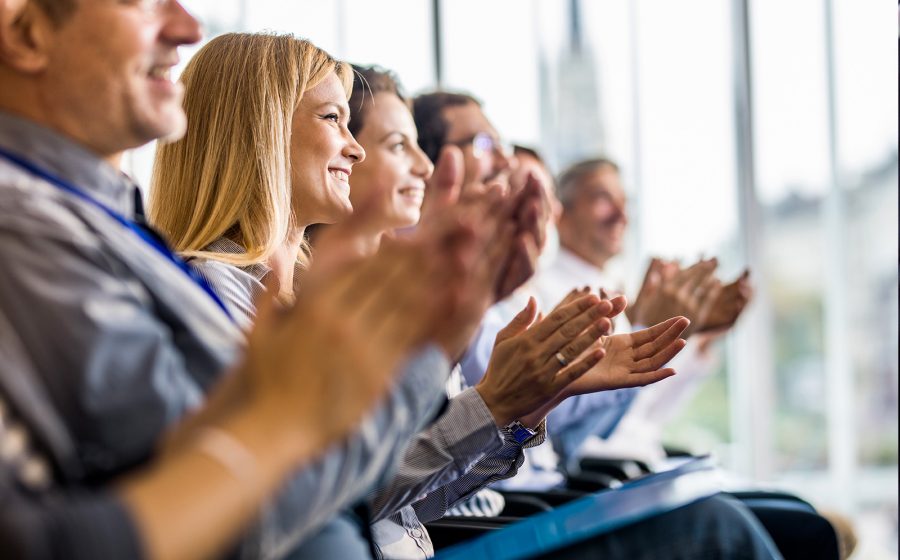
pixel 519 432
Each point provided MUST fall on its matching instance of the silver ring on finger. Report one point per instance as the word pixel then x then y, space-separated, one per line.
pixel 561 359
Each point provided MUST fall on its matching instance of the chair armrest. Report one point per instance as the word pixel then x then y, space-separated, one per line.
pixel 447 532
pixel 672 451
pixel 591 482
pixel 622 469
pixel 520 506
pixel 553 498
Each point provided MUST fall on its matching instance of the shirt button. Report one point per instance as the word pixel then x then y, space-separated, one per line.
pixel 416 533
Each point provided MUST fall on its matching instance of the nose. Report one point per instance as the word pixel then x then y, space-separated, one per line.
pixel 502 160
pixel 422 166
pixel 621 213
pixel 352 150
pixel 181 28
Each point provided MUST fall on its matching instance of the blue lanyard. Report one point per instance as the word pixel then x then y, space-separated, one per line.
pixel 141 232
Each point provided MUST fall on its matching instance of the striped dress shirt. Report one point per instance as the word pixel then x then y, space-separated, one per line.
pixel 37 520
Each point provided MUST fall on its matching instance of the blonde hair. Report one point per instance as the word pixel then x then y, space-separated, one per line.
pixel 230 175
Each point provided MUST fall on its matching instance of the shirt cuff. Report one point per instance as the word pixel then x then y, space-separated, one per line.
pixel 468 425
pixel 540 434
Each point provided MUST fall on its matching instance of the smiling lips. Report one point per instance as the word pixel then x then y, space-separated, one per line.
pixel 340 174
pixel 414 193
pixel 161 72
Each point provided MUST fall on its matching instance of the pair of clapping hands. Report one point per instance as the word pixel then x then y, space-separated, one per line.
pixel 538 362
pixel 694 292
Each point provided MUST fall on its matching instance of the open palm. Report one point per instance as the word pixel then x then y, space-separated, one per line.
pixel 633 359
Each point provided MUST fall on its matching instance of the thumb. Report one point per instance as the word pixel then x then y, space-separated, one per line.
pixel 619 303
pixel 472 180
pixel 653 276
pixel 446 182
pixel 519 323
pixel 654 279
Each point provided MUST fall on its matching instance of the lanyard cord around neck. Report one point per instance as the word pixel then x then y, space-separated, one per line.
pixel 142 231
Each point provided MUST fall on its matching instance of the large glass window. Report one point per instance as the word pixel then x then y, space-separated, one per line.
pixel 791 127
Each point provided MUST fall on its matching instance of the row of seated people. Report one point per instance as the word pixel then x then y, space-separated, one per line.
pixel 202 381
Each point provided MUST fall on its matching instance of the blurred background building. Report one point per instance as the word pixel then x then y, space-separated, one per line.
pixel 762 132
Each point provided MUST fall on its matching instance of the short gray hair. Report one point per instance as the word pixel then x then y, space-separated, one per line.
pixel 568 182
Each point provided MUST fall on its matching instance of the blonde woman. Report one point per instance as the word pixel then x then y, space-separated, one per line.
pixel 224 192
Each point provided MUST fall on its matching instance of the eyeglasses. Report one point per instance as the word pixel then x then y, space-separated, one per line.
pixel 483 143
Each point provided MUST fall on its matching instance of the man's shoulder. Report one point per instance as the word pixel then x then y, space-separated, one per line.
pixel 30 205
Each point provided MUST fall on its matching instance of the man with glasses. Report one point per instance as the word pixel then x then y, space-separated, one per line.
pixel 456 118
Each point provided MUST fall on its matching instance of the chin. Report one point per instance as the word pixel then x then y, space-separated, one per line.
pixel 405 213
pixel 407 219
pixel 343 210
pixel 614 246
pixel 175 131
pixel 169 126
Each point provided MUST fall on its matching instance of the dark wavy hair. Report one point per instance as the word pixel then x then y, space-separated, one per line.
pixel 368 81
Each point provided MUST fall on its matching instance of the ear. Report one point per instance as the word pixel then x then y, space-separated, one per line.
pixel 26 32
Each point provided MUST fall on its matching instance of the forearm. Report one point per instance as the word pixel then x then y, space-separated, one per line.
pixel 333 482
pixel 193 502
pixel 502 464
pixel 536 417
pixel 441 453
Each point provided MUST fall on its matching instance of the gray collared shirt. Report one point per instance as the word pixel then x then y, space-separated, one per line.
pixel 126 343
pixel 37 520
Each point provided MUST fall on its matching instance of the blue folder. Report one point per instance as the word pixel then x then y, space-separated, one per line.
pixel 593 515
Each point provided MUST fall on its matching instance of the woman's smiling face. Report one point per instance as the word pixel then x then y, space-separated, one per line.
pixel 323 153
pixel 393 176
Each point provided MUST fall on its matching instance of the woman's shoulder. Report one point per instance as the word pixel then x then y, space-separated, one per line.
pixel 239 287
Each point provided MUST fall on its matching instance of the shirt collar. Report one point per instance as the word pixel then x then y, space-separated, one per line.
pixel 69 161
pixel 230 247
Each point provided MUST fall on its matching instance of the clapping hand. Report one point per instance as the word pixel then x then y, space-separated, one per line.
pixel 633 359
pixel 504 251
pixel 532 362
pixel 727 307
pixel 670 291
